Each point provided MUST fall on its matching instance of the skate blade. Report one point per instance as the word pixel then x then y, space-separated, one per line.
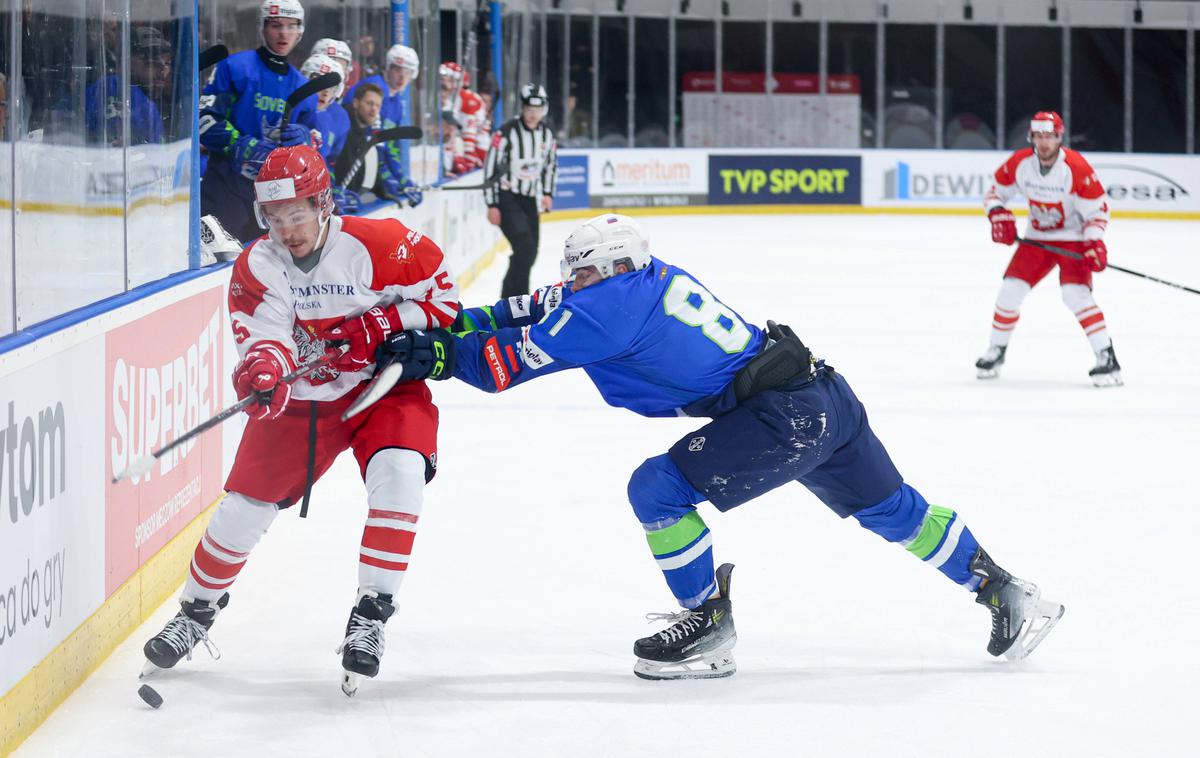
pixel 1046 614
pixel 149 670
pixel 714 664
pixel 987 373
pixel 1109 380
pixel 350 682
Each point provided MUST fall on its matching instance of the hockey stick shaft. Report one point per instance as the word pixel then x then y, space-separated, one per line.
pixel 1076 256
pixel 307 90
pixel 212 56
pixel 378 138
pixel 145 463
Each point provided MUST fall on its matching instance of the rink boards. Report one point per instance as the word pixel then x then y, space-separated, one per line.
pixel 852 180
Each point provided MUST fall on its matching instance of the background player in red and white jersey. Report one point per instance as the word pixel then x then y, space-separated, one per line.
pixel 317 281
pixel 468 110
pixel 1067 207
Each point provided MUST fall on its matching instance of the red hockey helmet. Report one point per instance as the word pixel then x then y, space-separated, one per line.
pixel 1046 122
pixel 288 174
pixel 450 69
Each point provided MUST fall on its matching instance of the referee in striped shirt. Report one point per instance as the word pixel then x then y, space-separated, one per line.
pixel 520 173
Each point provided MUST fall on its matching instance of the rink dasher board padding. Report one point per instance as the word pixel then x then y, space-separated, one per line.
pixel 114 553
pixel 850 180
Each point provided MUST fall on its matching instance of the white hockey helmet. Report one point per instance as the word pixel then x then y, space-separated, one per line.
pixel 604 242
pixel 404 57
pixel 320 63
pixel 279 9
pixel 336 49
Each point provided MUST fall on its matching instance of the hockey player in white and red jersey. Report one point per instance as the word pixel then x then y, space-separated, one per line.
pixel 315 284
pixel 1067 207
pixel 469 112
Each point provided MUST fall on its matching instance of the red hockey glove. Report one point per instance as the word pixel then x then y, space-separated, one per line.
pixel 1096 256
pixel 258 374
pixel 364 334
pixel 1004 226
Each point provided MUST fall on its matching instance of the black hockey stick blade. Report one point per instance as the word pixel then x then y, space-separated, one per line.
pixel 213 55
pixel 307 90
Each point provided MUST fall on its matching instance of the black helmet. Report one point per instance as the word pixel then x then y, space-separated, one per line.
pixel 534 94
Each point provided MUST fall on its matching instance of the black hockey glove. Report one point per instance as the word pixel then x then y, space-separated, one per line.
pixel 422 354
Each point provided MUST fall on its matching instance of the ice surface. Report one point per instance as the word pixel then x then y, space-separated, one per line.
pixel 531 576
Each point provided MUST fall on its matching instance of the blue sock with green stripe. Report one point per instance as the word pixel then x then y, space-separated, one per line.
pixel 663 501
pixel 934 534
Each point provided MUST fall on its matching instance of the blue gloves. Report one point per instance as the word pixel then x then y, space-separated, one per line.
pixel 423 354
pixel 347 201
pixel 249 153
pixel 292 135
pixel 410 191
pixel 402 189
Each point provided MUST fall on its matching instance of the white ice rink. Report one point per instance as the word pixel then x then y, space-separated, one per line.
pixel 531 577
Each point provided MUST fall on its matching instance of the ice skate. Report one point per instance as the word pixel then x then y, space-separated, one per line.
pixel 182 633
pixel 1106 372
pixel 988 366
pixel 363 646
pixel 1021 619
pixel 697 645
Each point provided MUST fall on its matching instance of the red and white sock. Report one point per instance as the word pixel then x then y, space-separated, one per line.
pixel 1008 309
pixel 395 491
pixel 1078 298
pixel 236 527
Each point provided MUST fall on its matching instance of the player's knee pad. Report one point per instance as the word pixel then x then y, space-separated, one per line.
pixel 1077 297
pixel 1012 293
pixel 658 490
pixel 240 522
pixel 395 480
pixel 897 517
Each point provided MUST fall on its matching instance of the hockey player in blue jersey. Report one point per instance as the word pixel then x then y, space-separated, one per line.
pixel 656 341
pixel 400 69
pixel 330 122
pixel 241 110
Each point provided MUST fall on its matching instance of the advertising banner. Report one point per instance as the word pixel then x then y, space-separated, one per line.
pixel 51 518
pixel 784 179
pixel 572 189
pixel 641 178
pixel 897 178
pixel 164 374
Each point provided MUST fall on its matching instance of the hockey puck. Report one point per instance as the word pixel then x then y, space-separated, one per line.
pixel 150 695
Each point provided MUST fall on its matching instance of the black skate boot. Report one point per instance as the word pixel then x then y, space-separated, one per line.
pixel 698 644
pixel 363 646
pixel 988 366
pixel 1020 618
pixel 180 636
pixel 1106 372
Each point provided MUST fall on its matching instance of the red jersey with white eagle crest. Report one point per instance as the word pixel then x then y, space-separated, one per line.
pixel 1066 201
pixel 276 305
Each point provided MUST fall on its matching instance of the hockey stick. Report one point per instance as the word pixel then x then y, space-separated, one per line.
pixel 382 383
pixel 1076 256
pixel 212 56
pixel 305 91
pixel 143 465
pixel 468 60
pixel 378 138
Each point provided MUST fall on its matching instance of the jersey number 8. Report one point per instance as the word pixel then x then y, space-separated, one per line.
pixel 689 302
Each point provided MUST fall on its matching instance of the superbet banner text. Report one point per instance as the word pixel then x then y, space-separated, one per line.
pixel 164 375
